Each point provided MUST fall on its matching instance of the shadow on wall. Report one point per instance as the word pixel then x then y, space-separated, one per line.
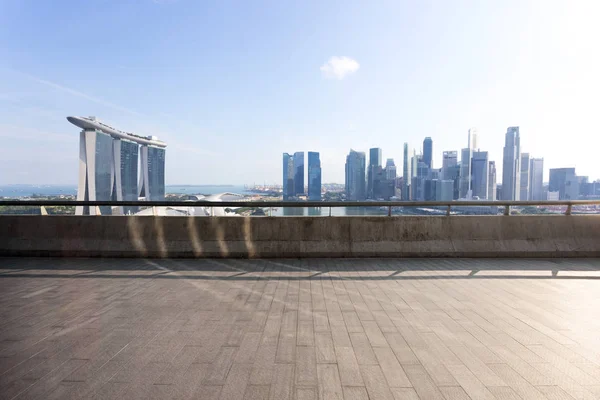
pixel 302 237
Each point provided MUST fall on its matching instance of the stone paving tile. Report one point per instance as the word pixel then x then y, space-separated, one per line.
pixel 299 329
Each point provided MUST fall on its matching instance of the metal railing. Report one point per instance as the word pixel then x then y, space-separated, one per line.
pixel 304 204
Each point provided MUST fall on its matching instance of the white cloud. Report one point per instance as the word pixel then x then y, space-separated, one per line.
pixel 339 67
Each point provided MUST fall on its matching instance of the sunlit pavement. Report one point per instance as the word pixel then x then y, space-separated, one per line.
pixel 300 329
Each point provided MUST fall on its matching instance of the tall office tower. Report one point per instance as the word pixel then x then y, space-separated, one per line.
pixel 314 176
pixel 418 181
pixel 405 175
pixel 288 176
pixel 449 161
pixel 492 181
pixel 564 181
pixel 524 193
pixel 108 166
pixel 355 175
pixel 414 162
pixel 427 151
pixel 125 183
pixel 390 169
pixel 444 190
pixel 298 173
pixel 479 173
pixel 511 165
pixel 472 143
pixel 465 173
pixel 536 179
pixel 152 175
pixel 374 162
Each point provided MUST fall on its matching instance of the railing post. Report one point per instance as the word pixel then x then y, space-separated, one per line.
pixel 507 210
pixel 448 210
pixel 568 212
pixel 330 211
pixel 270 211
pixel 389 211
pixel 212 213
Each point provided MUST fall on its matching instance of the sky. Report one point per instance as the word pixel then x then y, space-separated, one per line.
pixel 231 85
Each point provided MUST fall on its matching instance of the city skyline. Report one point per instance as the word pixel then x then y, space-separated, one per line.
pixel 219 86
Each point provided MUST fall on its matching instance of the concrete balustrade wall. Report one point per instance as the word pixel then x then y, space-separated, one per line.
pixel 264 237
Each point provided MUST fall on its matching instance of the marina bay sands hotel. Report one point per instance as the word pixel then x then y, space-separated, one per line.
pixel 109 160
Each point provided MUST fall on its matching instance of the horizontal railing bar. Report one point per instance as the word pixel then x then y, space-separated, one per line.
pixel 284 204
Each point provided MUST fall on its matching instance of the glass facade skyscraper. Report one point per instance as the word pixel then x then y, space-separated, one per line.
pixel 405 175
pixel 108 166
pixel 355 176
pixel 156 174
pixel 565 182
pixel 314 176
pixel 125 186
pixel 524 184
pixel 511 165
pixel 536 179
pixel 288 176
pixel 492 181
pixel 427 151
pixel 298 173
pixel 375 155
pixel 479 174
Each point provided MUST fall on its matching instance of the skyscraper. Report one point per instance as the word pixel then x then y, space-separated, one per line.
pixel 511 165
pixel 564 181
pixel 108 166
pixel 126 156
pixel 355 176
pixel 288 176
pixel 536 179
pixel 390 169
pixel 465 173
pixel 472 143
pixel 298 173
pixel 479 180
pixel 374 162
pixel 524 194
pixel 314 176
pixel 449 161
pixel 405 174
pixel 427 151
pixel 492 181
pixel 152 175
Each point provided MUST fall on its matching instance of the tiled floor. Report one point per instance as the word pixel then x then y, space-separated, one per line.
pixel 299 329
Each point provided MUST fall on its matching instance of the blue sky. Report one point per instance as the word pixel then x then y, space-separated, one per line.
pixel 231 85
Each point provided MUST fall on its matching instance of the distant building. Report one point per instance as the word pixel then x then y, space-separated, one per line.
pixel 108 166
pixel 405 174
pixel 536 179
pixel 465 173
pixel 449 160
pixel 479 174
pixel 314 176
pixel 564 181
pixel 511 165
pixel 298 173
pixel 418 181
pixel 473 144
pixel 152 175
pixel 427 151
pixel 390 169
pixel 355 176
pixel 492 181
pixel 524 194
pixel 374 162
pixel 288 176
pixel 444 190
